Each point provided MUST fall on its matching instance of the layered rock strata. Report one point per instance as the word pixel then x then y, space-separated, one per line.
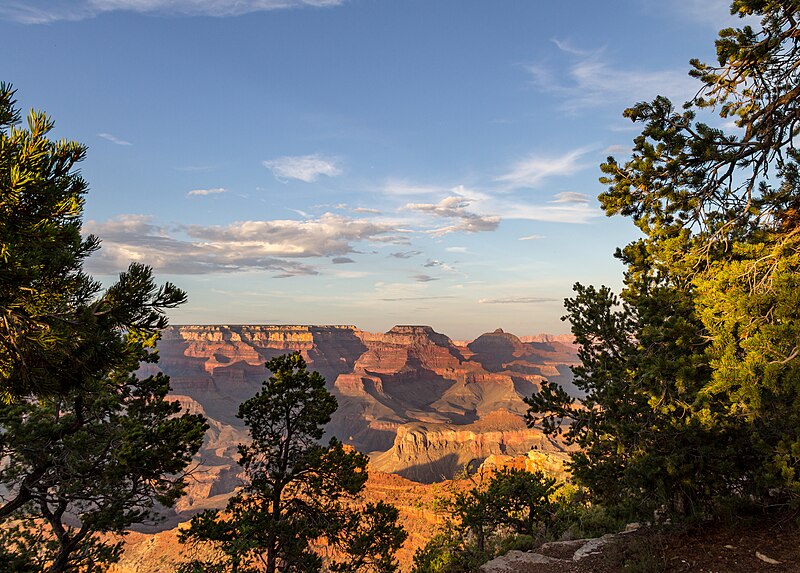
pixel 423 406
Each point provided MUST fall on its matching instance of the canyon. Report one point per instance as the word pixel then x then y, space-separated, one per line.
pixel 423 406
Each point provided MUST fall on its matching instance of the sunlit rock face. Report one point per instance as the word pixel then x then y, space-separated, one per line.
pixel 423 406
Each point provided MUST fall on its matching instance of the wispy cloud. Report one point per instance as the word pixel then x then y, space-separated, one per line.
pixel 590 80
pixel 108 136
pixel 247 245
pixel 403 299
pixel 552 212
pixel 47 11
pixel 516 300
pixel 405 254
pixel 715 13
pixel 616 148
pixel 570 48
pixel 533 170
pixel 455 208
pixel 204 192
pixel 402 188
pixel 422 278
pixel 571 197
pixel 306 168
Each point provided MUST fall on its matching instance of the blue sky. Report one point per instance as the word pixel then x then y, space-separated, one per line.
pixel 367 162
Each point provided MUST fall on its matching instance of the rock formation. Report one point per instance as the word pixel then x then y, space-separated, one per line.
pixel 421 405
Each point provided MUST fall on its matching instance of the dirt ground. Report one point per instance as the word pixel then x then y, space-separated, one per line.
pixel 769 544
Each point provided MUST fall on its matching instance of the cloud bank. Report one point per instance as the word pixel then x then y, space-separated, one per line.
pixel 242 246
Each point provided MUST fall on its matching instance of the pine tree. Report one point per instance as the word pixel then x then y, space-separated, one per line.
pixel 300 495
pixel 692 381
pixel 86 446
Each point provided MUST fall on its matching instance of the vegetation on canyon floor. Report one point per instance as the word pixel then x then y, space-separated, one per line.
pixel 691 373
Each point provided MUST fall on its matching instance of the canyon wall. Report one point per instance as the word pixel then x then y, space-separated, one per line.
pixel 421 405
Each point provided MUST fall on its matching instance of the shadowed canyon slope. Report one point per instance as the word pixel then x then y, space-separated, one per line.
pixel 423 406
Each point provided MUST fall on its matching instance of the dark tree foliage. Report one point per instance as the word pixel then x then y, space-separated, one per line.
pixel 301 496
pixel 692 381
pixel 523 501
pixel 86 447
pixel 56 328
pixel 512 502
pixel 518 500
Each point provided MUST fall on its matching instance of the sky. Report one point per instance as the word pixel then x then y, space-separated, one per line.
pixel 365 162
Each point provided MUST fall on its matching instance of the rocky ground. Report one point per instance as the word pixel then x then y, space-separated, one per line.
pixel 768 543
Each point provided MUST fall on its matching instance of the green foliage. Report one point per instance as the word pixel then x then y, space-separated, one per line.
pixel 448 552
pixel 517 542
pixel 56 330
pixel 515 508
pixel 522 501
pixel 691 375
pixel 300 496
pixel 86 446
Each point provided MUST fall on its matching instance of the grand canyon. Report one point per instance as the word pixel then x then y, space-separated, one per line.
pixel 423 406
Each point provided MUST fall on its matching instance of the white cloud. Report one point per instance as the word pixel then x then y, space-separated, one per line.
pixel 404 188
pixel 306 168
pixel 571 197
pixel 46 11
pixel 534 169
pixel 112 138
pixel 204 192
pixel 455 207
pixel 247 245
